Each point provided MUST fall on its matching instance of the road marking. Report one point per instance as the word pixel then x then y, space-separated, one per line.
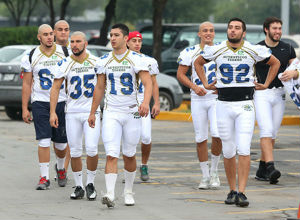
pixel 205 201
pixel 263 211
pixel 248 190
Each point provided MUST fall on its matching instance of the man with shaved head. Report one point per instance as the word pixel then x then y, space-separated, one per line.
pixel 79 72
pixel 203 106
pixel 39 69
pixel 61 32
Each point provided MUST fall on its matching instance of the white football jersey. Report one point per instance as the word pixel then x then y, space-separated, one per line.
pixel 187 58
pixel 81 80
pixel 44 69
pixel 235 67
pixel 153 70
pixel 121 80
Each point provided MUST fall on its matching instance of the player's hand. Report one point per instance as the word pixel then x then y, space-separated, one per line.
pixel 92 120
pixel 143 110
pixel 200 91
pixel 155 110
pixel 53 120
pixel 259 86
pixel 211 86
pixel 26 116
pixel 288 74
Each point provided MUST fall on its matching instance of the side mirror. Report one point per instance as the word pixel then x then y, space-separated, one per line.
pixel 181 44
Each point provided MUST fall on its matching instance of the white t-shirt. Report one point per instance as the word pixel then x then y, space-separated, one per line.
pixel 235 67
pixel 44 69
pixel 187 58
pixel 121 80
pixel 153 70
pixel 81 80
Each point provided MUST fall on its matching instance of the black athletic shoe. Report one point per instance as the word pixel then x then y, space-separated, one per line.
pixel 231 197
pixel 78 193
pixel 91 193
pixel 273 173
pixel 261 173
pixel 241 200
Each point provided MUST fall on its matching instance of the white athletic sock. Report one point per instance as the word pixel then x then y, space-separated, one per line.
pixel 214 163
pixel 205 169
pixel 44 170
pixel 110 180
pixel 78 178
pixel 90 176
pixel 129 179
pixel 60 163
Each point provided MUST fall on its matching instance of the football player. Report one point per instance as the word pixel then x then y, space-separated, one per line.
pixel 235 59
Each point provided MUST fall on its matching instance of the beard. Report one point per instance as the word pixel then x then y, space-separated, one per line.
pixel 271 36
pixel 79 53
pixel 234 40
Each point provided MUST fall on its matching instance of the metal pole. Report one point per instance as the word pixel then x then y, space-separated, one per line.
pixel 285 14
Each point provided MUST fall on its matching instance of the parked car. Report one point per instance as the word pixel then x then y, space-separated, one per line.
pixel 11 83
pixel 293 40
pixel 175 37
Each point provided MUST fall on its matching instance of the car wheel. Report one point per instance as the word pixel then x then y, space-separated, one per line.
pixel 14 113
pixel 166 101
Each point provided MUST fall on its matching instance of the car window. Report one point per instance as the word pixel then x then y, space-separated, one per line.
pixel 168 37
pixel 190 36
pixel 8 54
pixel 291 42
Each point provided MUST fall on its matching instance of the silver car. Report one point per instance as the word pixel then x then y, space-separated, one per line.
pixel 11 83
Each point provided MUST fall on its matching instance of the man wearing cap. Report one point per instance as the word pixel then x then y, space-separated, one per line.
pixel 134 43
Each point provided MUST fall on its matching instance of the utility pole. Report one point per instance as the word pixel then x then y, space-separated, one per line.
pixel 285 15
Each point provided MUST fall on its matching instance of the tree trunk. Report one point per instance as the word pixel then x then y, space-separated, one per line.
pixel 31 6
pixel 158 7
pixel 49 3
pixel 63 9
pixel 109 15
pixel 15 10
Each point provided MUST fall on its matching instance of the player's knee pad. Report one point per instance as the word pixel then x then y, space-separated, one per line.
pixel 243 151
pixel 200 138
pixel 229 152
pixel 60 146
pixel 129 153
pixel 146 139
pixel 75 152
pixel 45 142
pixel 91 151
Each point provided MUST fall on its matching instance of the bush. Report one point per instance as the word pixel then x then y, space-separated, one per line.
pixel 18 35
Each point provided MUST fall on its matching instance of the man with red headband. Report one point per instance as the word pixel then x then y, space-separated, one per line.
pixel 135 43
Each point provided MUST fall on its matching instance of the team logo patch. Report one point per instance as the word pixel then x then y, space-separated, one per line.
pixel 241 52
pixel 136 115
pixel 86 63
pixel 54 57
pixel 125 62
pixel 248 108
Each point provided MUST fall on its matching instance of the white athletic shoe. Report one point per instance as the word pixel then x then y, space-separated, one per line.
pixel 128 198
pixel 204 183
pixel 214 180
pixel 108 200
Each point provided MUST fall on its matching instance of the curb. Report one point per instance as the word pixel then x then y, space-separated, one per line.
pixel 187 117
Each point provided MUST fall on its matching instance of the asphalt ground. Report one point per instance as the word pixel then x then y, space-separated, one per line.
pixel 171 192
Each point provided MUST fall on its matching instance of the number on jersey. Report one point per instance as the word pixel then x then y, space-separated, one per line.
pixel 126 81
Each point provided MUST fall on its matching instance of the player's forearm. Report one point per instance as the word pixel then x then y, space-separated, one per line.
pixel 97 96
pixel 148 91
pixel 155 91
pixel 26 92
pixel 182 78
pixel 199 67
pixel 54 93
pixel 273 70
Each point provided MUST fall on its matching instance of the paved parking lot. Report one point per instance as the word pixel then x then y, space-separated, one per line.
pixel 170 194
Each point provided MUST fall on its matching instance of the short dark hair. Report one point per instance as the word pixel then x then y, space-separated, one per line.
pixel 269 21
pixel 123 27
pixel 240 20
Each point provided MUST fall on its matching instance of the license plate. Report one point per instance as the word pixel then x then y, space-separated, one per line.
pixel 8 77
